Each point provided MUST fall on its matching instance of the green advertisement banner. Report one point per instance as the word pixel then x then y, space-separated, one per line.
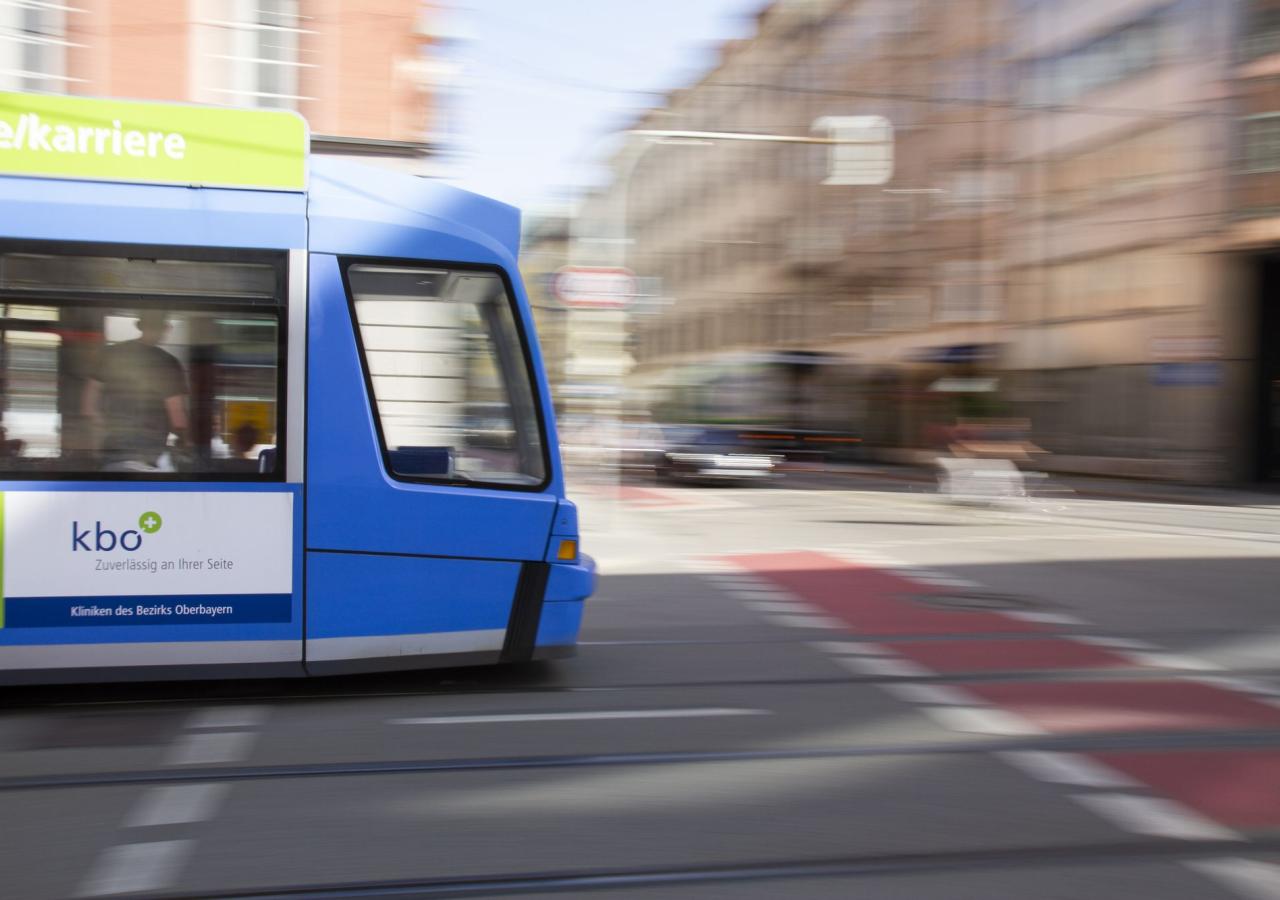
pixel 116 140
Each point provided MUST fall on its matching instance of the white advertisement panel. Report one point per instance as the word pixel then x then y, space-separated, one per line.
pixel 233 551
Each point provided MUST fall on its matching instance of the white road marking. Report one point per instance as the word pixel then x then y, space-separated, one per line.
pixel 584 716
pixel 933 694
pixel 882 665
pixel 806 621
pixel 1066 768
pixel 1043 618
pixel 946 581
pixel 981 720
pixel 176 804
pixel 756 589
pixel 854 648
pixel 229 717
pixel 1249 878
pixel 732 581
pixel 1162 660
pixel 1114 643
pixel 1155 816
pixel 740 594
pixel 1236 683
pixel 135 868
pixel 774 606
pixel 721 570
pixel 205 748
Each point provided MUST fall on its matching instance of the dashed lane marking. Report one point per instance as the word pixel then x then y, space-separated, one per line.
pixel 1243 685
pixel 209 747
pixel 980 720
pixel 1250 878
pixel 850 648
pixel 1031 654
pixel 774 606
pixel 758 593
pixel 1163 660
pixel 929 694
pixel 876 597
pixel 136 868
pixel 176 804
pixel 1114 643
pixel 1044 618
pixel 1066 768
pixel 229 717
pixel 583 716
pixel 1155 816
pixel 886 666
pixel 1082 707
pixel 807 621
pixel 154 865
pixel 1236 786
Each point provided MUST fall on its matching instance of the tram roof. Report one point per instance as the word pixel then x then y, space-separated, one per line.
pixel 342 192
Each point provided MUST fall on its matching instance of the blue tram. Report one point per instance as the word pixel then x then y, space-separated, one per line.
pixel 264 413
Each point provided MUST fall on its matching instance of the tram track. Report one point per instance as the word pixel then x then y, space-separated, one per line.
pixel 1097 742
pixel 304 695
pixel 856 866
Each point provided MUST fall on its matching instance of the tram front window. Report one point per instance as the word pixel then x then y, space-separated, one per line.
pixel 449 373
pixel 137 368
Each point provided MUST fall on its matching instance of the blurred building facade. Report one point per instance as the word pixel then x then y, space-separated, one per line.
pixel 362 72
pixel 1079 231
pixel 544 250
pixel 1118 297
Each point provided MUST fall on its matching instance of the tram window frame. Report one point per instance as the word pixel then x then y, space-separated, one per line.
pixel 278 306
pixel 526 338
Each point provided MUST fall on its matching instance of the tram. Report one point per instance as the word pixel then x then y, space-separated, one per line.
pixel 263 413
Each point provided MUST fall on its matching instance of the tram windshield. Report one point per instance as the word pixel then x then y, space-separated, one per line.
pixel 138 367
pixel 449 373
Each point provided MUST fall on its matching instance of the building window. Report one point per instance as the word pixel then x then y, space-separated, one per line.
pixel 32 45
pixel 1261 34
pixel 1149 160
pixel 898 311
pixel 975 191
pixel 1261 143
pixel 971 291
pixel 1109 59
pixel 449 373
pixel 247 52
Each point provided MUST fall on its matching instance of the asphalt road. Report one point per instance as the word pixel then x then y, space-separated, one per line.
pixel 836 688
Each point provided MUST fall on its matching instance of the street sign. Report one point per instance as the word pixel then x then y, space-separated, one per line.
pixel 862 149
pixel 1187 374
pixel 595 287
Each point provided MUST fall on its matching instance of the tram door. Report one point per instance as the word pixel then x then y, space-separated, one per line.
pixel 427 463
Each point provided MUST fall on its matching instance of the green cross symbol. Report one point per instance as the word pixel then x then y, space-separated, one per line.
pixel 150 522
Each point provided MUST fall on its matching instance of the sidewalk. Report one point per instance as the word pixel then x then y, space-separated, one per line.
pixel 1081 486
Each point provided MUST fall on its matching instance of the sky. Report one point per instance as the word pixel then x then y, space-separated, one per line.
pixel 544 83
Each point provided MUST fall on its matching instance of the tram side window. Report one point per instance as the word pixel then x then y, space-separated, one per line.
pixel 449 374
pixel 104 372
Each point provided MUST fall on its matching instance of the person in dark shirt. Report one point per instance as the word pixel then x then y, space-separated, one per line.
pixel 137 397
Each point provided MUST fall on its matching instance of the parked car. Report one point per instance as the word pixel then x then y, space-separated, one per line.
pixel 642 448
pixel 714 455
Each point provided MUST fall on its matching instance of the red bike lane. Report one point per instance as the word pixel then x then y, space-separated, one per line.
pixel 1052 678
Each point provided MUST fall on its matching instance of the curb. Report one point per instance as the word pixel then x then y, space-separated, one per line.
pixel 1118 493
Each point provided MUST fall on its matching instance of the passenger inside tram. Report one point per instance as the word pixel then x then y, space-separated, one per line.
pixel 136 400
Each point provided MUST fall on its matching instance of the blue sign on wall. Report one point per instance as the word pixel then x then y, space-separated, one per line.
pixel 1187 374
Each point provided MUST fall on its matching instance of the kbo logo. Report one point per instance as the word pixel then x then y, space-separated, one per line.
pixel 103 540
